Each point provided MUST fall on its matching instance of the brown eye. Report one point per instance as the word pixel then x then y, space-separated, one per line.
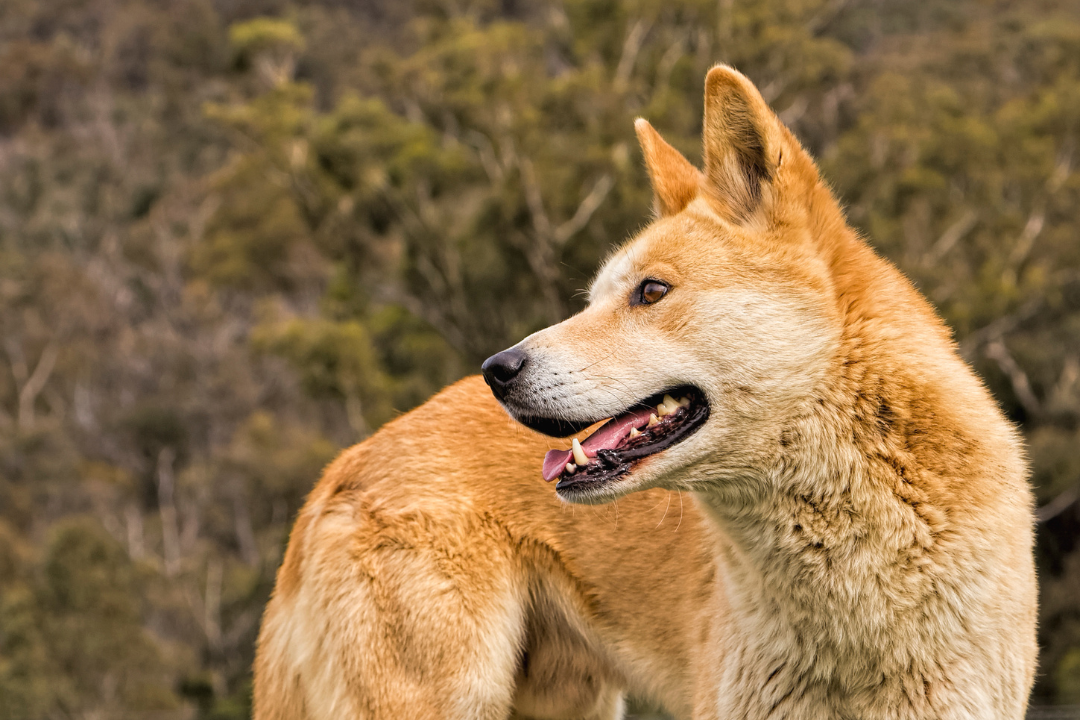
pixel 650 291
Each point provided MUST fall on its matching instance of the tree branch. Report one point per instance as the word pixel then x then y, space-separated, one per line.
pixel 588 206
pixel 34 384
pixel 996 351
pixel 533 198
pixel 1058 505
pixel 952 235
pixel 999 327
pixel 170 532
pixel 630 50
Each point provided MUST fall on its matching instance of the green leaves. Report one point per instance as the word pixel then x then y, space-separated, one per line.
pixel 334 359
pixel 71 631
pixel 264 34
pixel 232 244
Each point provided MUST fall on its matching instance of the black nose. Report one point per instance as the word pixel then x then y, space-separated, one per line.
pixel 501 368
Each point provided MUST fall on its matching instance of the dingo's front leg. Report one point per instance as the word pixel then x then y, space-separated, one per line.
pixel 379 618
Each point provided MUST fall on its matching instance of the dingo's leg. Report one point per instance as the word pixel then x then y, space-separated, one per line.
pixel 379 620
pixel 583 697
pixel 609 706
pixel 561 676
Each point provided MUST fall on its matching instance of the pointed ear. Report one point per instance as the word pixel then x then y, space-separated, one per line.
pixel 742 139
pixel 674 180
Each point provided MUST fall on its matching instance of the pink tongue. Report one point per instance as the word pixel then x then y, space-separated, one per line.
pixel 612 434
pixel 554 462
pixel 606 438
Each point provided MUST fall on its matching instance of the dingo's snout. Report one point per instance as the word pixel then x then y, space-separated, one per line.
pixel 502 368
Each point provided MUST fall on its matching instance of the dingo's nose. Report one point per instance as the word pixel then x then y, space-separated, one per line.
pixel 501 368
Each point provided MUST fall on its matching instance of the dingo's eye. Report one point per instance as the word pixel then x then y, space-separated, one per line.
pixel 648 292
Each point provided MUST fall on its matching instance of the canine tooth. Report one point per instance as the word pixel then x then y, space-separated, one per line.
pixel 670 402
pixel 570 468
pixel 653 420
pixel 663 410
pixel 579 454
pixel 634 432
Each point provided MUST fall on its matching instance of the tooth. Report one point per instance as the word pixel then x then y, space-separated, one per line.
pixel 672 405
pixel 684 402
pixel 579 454
pixel 653 420
pixel 570 468
pixel 634 432
pixel 663 410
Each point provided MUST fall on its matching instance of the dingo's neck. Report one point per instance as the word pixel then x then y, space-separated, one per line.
pixel 856 572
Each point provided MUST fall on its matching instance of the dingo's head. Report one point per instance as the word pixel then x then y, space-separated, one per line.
pixel 706 333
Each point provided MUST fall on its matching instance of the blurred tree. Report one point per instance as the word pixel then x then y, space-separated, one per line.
pixel 238 236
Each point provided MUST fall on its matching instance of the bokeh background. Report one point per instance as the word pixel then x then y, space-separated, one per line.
pixel 237 236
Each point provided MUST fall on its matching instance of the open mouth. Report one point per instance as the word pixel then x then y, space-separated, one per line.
pixel 649 427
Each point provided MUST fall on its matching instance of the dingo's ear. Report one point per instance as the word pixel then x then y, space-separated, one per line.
pixel 674 180
pixel 742 140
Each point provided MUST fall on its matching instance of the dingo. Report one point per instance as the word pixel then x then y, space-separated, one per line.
pixel 854 542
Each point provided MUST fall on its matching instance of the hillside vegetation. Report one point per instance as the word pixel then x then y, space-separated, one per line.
pixel 237 236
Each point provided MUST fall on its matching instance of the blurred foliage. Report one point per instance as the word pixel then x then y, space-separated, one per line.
pixel 237 236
